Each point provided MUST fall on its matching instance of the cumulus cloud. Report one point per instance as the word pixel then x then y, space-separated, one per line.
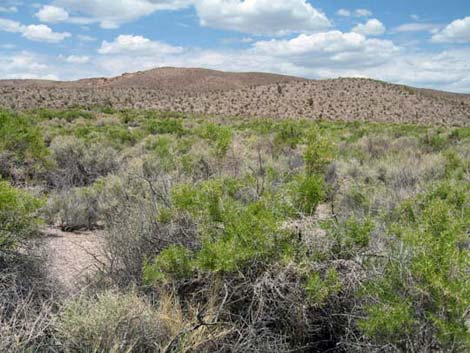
pixel 331 48
pixel 38 33
pixel 42 33
pixel 343 12
pixel 111 13
pixel 137 44
pixel 457 31
pixel 263 17
pixel 52 14
pixel 356 13
pixel 85 38
pixel 416 27
pixel 8 9
pixel 372 27
pixel 363 13
pixel 75 59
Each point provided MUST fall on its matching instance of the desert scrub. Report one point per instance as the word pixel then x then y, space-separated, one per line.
pixel 23 152
pixel 18 216
pixel 112 322
pixel 422 295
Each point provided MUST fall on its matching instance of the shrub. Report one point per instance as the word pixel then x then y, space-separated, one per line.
pixel 220 137
pixel 18 216
pixel 112 322
pixel 165 126
pixel 308 192
pixel 21 145
pixel 80 164
pixel 319 289
pixel 288 134
pixel 319 152
pixel 423 294
pixel 173 262
pixel 74 209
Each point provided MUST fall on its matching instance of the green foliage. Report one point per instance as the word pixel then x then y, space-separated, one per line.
pixel 425 283
pixel 165 126
pixel 389 322
pixel 288 134
pixel 18 216
pixel 173 262
pixel 318 153
pixel 220 137
pixel 320 288
pixel 308 192
pixel 68 115
pixel 350 237
pixel 21 138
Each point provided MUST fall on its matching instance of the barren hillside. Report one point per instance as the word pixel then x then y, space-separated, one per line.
pixel 247 94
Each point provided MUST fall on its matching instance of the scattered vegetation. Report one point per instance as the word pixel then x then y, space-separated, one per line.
pixel 236 235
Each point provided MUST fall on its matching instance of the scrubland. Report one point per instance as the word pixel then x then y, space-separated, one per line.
pixel 235 234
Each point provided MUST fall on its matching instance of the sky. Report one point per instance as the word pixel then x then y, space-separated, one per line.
pixel 422 43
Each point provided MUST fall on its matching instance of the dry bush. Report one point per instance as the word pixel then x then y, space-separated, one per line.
pixel 138 223
pixel 73 209
pixel 111 322
pixel 80 164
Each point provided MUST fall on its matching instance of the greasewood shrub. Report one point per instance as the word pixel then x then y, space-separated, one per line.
pixel 22 145
pixel 423 295
pixel 18 216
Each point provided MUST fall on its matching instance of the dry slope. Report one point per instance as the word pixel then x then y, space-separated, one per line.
pixel 246 94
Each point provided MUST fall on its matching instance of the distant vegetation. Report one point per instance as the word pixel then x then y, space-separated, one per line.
pixel 236 234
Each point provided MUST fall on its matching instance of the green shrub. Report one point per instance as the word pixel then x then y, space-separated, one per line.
pixel 351 237
pixel 319 152
pixel 320 288
pixel 18 216
pixel 173 262
pixel 220 137
pixel 309 192
pixel 21 145
pixel 288 134
pixel 165 126
pixel 424 288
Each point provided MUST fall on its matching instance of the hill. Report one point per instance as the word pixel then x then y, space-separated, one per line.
pixel 245 94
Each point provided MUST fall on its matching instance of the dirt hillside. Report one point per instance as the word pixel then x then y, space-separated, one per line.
pixel 245 94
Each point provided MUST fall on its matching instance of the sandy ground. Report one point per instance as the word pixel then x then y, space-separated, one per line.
pixel 72 256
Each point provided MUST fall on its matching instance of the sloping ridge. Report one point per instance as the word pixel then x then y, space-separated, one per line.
pixel 188 79
pixel 170 79
pixel 245 94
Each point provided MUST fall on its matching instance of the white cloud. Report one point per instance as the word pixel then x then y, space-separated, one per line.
pixel 52 14
pixel 416 27
pixel 85 38
pixel 263 17
pixel 76 59
pixel 38 33
pixel 362 13
pixel 343 12
pixel 8 9
pixel 330 49
pixel 137 44
pixel 7 25
pixel 42 33
pixel 355 13
pixel 372 27
pixel 112 13
pixel 457 31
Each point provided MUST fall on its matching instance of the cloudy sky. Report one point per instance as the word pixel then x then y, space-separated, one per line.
pixel 423 43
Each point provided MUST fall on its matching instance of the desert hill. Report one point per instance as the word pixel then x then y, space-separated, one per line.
pixel 245 94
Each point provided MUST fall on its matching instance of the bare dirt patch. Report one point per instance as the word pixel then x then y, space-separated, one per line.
pixel 73 256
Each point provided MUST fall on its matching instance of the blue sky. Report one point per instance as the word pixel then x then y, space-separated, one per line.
pixel 423 43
